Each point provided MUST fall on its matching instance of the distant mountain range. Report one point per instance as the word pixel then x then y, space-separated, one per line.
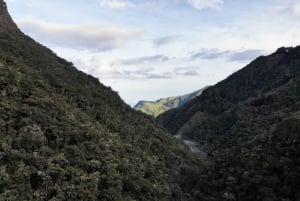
pixel 162 105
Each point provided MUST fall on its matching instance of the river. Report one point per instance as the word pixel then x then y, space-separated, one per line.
pixel 193 145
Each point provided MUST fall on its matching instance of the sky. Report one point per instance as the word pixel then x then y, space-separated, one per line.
pixel 149 49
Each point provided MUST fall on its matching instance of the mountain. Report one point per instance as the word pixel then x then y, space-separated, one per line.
pixel 249 127
pixel 155 108
pixel 262 77
pixel 65 136
pixel 6 23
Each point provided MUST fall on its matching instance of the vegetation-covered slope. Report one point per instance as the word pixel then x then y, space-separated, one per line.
pixel 249 123
pixel 264 168
pixel 65 136
pixel 261 77
pixel 155 108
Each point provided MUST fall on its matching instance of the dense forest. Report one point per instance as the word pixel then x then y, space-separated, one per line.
pixel 249 127
pixel 65 136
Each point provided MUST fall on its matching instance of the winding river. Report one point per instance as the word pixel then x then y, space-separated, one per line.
pixel 193 145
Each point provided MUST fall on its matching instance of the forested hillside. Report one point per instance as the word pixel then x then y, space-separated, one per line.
pixel 249 127
pixel 65 136
pixel 264 77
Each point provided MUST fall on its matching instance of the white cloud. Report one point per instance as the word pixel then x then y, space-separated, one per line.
pixel 200 4
pixel 116 4
pixel 164 40
pixel 242 55
pixel 81 36
pixel 145 60
pixel 123 4
pixel 297 9
pixel 107 67
pixel 134 68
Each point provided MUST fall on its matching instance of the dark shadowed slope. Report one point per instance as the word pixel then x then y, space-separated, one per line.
pixel 262 76
pixel 65 136
pixel 6 23
pixel 250 125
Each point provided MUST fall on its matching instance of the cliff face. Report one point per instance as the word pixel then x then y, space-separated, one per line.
pixel 7 25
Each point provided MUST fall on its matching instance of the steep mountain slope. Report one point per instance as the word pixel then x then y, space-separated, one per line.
pixel 262 76
pixel 264 168
pixel 155 108
pixel 250 125
pixel 65 136
pixel 6 23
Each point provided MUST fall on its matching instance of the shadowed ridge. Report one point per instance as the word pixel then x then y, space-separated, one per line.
pixel 7 25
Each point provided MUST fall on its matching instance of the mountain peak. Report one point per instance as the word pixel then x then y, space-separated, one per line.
pixel 7 25
pixel 157 107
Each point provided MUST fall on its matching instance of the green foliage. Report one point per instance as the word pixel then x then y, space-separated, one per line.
pixel 266 168
pixel 256 80
pixel 250 125
pixel 65 136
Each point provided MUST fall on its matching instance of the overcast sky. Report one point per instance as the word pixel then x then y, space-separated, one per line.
pixel 148 49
